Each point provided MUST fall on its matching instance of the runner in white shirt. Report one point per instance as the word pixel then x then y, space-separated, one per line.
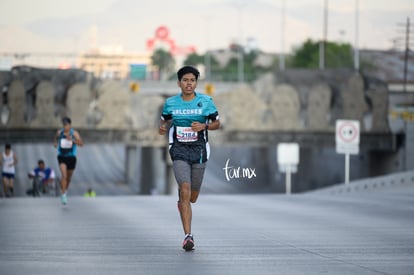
pixel 8 161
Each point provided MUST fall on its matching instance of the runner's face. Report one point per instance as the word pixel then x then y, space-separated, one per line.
pixel 66 126
pixel 188 84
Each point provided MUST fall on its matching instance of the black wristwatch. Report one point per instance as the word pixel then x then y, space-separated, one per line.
pixel 206 127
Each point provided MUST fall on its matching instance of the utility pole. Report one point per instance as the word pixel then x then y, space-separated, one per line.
pixel 407 50
pixel 356 46
pixel 240 52
pixel 322 45
pixel 282 38
pixel 405 75
pixel 207 56
pixel 407 53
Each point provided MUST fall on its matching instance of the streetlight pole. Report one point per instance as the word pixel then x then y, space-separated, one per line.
pixel 282 39
pixel 407 51
pixel 322 45
pixel 356 46
pixel 240 52
pixel 207 57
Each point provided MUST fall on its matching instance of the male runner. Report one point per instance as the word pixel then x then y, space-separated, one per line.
pixel 192 115
pixel 9 161
pixel 66 141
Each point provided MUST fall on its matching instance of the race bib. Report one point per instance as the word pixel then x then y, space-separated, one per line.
pixel 185 134
pixel 66 144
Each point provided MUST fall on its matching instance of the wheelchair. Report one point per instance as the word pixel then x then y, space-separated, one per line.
pixel 40 189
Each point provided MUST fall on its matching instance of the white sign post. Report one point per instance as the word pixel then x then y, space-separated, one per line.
pixel 347 141
pixel 288 160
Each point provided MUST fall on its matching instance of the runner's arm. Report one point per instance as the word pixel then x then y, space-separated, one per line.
pixel 163 127
pixel 197 126
pixel 55 142
pixel 78 140
pixel 214 122
pixel 214 125
pixel 164 121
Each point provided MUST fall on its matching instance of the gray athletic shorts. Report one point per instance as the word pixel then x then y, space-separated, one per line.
pixel 191 173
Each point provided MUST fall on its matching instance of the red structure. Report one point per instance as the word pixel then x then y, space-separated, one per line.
pixel 162 35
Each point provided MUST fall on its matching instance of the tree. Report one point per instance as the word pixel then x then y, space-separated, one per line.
pixel 252 71
pixel 164 61
pixel 336 55
pixel 229 72
pixel 194 59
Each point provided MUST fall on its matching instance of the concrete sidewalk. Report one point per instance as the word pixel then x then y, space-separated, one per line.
pixel 356 233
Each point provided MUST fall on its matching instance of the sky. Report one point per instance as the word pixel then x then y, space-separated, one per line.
pixel 79 25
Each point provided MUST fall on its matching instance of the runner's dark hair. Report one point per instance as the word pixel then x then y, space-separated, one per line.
pixel 187 70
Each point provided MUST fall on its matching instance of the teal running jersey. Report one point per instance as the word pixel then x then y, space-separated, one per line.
pixel 183 113
pixel 66 148
pixel 184 143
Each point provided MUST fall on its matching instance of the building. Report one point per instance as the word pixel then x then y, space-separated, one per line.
pixel 114 63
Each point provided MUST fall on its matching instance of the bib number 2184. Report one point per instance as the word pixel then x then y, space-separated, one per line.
pixel 185 134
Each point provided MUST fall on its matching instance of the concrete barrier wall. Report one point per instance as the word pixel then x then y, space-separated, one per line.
pixel 284 101
pixel 373 184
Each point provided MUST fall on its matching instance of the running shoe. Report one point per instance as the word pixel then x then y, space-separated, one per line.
pixel 188 243
pixel 64 198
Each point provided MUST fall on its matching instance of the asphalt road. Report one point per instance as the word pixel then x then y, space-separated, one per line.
pixel 356 233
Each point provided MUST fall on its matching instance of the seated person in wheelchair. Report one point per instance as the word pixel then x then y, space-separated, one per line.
pixel 45 174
